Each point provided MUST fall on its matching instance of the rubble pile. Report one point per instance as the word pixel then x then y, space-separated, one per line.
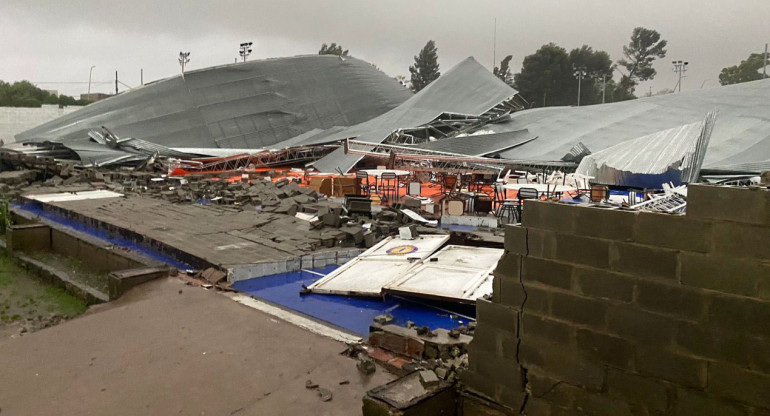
pixel 411 348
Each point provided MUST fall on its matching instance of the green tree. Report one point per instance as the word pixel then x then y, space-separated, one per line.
pixel 547 77
pixel 26 94
pixel 504 71
pixel 425 68
pixel 544 76
pixel 332 49
pixel 645 46
pixel 747 70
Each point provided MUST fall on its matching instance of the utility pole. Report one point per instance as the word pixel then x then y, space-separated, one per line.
pixel 680 68
pixel 245 50
pixel 494 45
pixel 90 71
pixel 579 74
pixel 184 58
pixel 764 68
pixel 116 82
pixel 604 86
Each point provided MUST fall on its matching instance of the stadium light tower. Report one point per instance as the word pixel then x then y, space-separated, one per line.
pixel 245 50
pixel 680 68
pixel 579 73
pixel 184 58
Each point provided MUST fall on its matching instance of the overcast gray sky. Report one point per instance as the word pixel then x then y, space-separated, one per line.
pixel 55 42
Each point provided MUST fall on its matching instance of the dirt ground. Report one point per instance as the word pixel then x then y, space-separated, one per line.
pixel 167 348
pixel 27 305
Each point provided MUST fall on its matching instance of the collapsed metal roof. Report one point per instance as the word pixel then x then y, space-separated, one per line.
pixel 674 155
pixel 740 140
pixel 467 90
pixel 246 105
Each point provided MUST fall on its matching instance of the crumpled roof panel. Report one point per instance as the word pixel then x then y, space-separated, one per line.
pixel 246 105
pixel 468 89
pixel 740 139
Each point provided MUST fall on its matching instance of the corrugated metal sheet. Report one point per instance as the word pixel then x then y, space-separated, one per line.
pixel 673 155
pixel 467 89
pixel 740 140
pixel 479 145
pixel 246 105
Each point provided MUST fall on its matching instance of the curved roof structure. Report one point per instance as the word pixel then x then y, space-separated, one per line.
pixel 467 89
pixel 246 105
pixel 739 142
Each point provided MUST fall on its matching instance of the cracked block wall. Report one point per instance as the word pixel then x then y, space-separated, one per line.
pixel 611 312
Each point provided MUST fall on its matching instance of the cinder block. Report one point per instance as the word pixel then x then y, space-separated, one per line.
pixel 636 389
pixel 562 363
pixel 511 292
pixel 601 405
pixel 677 300
pixel 500 371
pixel 582 250
pixel 610 224
pixel 736 383
pixel 641 260
pixel 547 215
pixel 716 343
pixel 739 204
pixel 548 388
pixel 541 243
pixel 741 240
pixel 497 316
pixel 515 239
pixel 578 309
pixel 509 266
pixel 674 367
pixel 726 274
pixel 485 340
pixel 673 231
pixel 546 330
pixel 479 383
pixel 690 402
pixel 549 272
pixel 599 283
pixel 640 326
pixel 740 314
pixel 538 298
pixel 605 348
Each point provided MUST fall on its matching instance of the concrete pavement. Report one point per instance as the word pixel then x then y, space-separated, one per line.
pixel 159 351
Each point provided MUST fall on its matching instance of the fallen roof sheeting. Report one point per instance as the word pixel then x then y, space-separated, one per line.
pixel 246 105
pixel 468 89
pixel 479 145
pixel 740 140
pixel 673 155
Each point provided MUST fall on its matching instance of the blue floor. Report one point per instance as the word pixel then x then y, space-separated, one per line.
pixel 351 313
pixel 36 209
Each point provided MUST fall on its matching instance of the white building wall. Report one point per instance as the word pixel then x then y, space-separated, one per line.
pixel 14 120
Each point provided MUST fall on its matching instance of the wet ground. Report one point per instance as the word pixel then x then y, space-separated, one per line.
pixel 28 305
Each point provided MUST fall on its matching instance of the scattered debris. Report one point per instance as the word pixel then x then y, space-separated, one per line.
pixel 310 385
pixel 325 394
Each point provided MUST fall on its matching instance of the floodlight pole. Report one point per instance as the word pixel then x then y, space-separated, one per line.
pixel 184 58
pixel 90 71
pixel 579 74
pixel 245 50
pixel 680 67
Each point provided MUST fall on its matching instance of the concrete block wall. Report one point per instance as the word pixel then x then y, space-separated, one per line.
pixel 611 312
pixel 14 120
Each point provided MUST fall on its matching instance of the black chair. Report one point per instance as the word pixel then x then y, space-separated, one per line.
pixel 524 194
pixel 363 180
pixel 389 186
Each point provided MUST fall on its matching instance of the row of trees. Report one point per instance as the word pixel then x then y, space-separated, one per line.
pixel 26 94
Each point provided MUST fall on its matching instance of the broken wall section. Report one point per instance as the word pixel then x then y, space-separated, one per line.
pixel 609 312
